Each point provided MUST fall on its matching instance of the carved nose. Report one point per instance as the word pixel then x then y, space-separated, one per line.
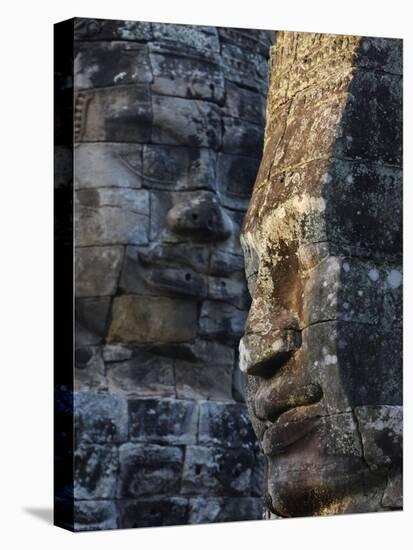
pixel 202 218
pixel 263 354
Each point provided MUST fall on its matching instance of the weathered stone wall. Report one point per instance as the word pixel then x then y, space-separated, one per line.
pixel 169 123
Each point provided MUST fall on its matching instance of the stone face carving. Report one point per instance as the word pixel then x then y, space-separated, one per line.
pixel 169 125
pixel 323 248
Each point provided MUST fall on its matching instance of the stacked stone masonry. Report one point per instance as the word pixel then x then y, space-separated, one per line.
pixel 169 123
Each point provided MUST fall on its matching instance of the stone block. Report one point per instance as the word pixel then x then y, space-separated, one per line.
pixel 198 37
pixel 242 138
pixel 382 54
pixel 207 381
pixel 222 509
pixel 91 317
pixel 221 321
pixel 185 73
pixel 142 375
pixel 224 263
pixel 149 319
pixel 177 168
pixel 165 270
pixel 216 471
pixel 344 345
pixel 149 470
pixel 101 64
pixel 231 289
pixel 225 424
pixel 245 105
pixel 114 114
pixel 110 29
pixel 95 515
pixel 153 512
pixel 245 67
pixel 97 270
pixel 111 216
pixel 100 418
pixel 381 431
pixel 89 369
pixel 108 165
pixel 372 129
pixel 95 474
pixel 163 421
pixel 178 121
pixel 255 40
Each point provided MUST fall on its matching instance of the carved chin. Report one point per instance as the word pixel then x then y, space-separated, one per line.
pixel 347 490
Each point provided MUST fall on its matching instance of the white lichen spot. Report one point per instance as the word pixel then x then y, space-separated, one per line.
pixel 331 359
pixel 360 293
pixel 349 179
pixel 119 76
pixel 349 139
pixel 346 267
pixel 316 363
pixel 394 278
pixel 328 178
pixel 374 275
pixel 346 305
pixel 325 284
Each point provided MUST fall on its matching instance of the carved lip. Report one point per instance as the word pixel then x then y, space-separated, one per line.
pixel 289 428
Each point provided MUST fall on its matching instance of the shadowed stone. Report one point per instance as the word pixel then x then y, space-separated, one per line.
pixel 225 424
pixel 109 64
pixel 108 29
pixel 111 216
pixel 221 509
pixel 149 469
pixel 176 168
pixel 244 104
pixel 193 36
pixel 175 123
pixel 89 369
pixel 249 70
pixel 96 469
pixel 217 471
pixel 163 421
pixel 120 113
pixel 142 375
pixel 100 418
pixel 153 512
pixel 381 433
pixel 221 321
pixel 108 165
pixel 97 270
pixel 207 381
pixel 91 316
pixel 235 179
pixel 96 515
pixel 241 137
pixel 179 72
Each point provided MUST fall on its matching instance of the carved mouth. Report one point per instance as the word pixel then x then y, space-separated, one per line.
pixel 289 428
